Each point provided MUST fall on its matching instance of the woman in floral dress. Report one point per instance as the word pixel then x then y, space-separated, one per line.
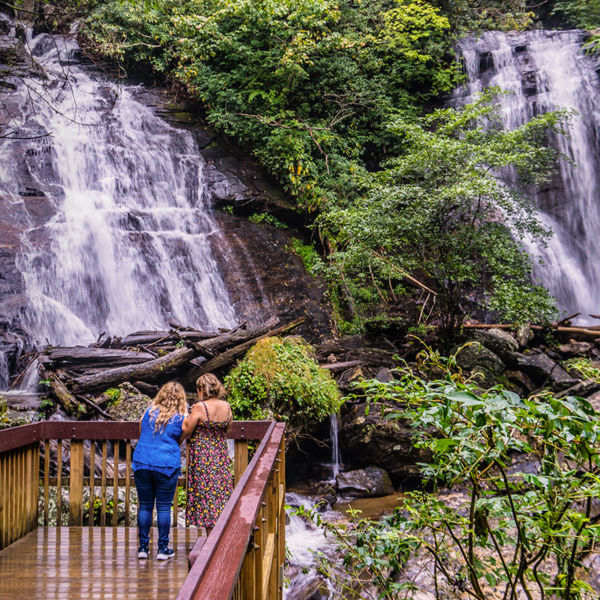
pixel 210 480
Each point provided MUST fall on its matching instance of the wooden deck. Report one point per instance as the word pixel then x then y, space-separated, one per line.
pixel 65 563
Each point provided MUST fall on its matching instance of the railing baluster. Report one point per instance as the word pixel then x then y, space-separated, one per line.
pixel 103 484
pixel 240 460
pixel 59 449
pixel 115 518
pixel 76 483
pixel 46 481
pixel 127 482
pixel 92 503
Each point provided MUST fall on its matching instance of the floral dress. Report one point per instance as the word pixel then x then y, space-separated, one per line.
pixel 210 480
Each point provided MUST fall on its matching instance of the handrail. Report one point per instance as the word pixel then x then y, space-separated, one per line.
pixel 16 437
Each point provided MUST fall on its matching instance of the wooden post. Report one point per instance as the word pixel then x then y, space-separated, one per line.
pixel 127 482
pixel 115 518
pixel 240 461
pixel 59 454
pixel 92 502
pixel 46 481
pixel 103 484
pixel 76 484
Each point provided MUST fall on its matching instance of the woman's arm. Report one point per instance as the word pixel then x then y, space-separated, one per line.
pixel 189 423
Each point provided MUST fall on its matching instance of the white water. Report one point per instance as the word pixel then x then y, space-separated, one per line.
pixel 544 71
pixel 129 247
pixel 335 448
pixel 304 542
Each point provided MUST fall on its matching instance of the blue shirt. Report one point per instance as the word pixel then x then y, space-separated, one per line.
pixel 158 450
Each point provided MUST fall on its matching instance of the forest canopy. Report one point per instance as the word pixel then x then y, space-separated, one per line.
pixel 332 98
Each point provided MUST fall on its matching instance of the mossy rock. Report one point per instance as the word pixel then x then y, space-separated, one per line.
pixel 130 405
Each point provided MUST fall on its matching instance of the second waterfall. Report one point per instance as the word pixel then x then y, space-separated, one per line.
pixel 544 71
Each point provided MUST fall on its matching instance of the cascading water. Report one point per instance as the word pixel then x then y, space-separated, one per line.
pixel 129 246
pixel 545 71
pixel 335 449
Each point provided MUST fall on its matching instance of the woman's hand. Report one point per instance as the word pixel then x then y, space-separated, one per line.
pixel 190 422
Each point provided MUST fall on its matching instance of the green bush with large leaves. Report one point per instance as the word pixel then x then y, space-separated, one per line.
pixel 528 471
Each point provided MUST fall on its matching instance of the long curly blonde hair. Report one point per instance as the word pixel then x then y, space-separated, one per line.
pixel 169 401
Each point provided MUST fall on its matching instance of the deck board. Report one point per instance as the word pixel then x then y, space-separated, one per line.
pixel 67 563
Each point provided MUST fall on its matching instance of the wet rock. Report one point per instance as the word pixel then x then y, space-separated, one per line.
pixel 384 375
pixel 363 483
pixel 574 348
pixel 371 439
pixel 130 405
pixel 498 341
pixel 306 586
pixel 544 370
pixel 475 354
pixel 523 335
pixel 521 380
pixel 583 389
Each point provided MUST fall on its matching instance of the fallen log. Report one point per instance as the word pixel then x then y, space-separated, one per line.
pixel 59 390
pixel 159 368
pixel 227 357
pixel 62 356
pixel 153 337
pixel 577 332
pixel 341 366
pixel 147 371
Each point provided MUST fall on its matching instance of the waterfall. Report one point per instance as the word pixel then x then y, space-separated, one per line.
pixel 545 71
pixel 129 245
pixel 335 451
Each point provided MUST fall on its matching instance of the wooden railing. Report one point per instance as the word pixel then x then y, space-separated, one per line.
pixel 79 473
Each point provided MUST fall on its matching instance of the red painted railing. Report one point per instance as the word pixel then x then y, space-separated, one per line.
pixel 243 556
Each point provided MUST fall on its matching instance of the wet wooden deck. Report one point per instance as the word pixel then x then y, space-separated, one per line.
pixel 67 563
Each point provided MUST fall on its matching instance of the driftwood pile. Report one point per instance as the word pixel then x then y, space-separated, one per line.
pixel 77 376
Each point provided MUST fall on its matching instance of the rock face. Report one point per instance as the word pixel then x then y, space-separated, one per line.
pixel 370 439
pixel 364 483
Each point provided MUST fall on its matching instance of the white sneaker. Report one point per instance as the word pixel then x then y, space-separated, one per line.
pixel 165 554
pixel 143 552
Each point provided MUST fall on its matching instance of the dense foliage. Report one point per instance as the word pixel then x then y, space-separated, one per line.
pixel 280 379
pixel 523 526
pixel 329 95
pixel 448 210
pixel 584 14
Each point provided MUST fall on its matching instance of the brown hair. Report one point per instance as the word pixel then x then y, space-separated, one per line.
pixel 208 386
pixel 169 401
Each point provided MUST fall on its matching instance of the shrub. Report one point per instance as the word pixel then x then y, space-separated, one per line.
pixel 280 379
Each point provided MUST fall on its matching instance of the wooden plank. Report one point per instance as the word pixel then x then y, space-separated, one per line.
pixel 59 458
pixel 267 563
pixel 46 481
pixel 127 482
pixel 115 517
pixel 92 483
pixel 240 461
pixel 70 563
pixel 76 484
pixel 259 546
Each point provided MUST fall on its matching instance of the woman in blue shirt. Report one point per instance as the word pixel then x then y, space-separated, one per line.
pixel 156 463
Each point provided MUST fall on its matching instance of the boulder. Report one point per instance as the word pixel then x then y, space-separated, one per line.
pixel 371 439
pixel 498 341
pixel 130 405
pixel 364 483
pixel 475 354
pixel 542 369
pixel 574 348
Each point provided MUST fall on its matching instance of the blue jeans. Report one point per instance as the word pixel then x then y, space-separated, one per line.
pixel 151 486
